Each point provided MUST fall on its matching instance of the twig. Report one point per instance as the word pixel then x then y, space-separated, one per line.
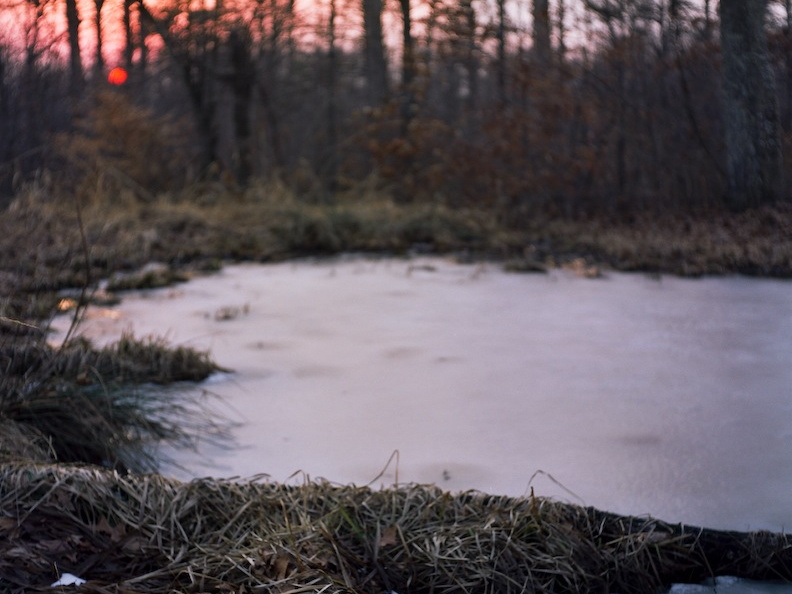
pixel 82 302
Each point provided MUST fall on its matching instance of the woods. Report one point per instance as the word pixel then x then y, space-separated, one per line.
pixel 565 107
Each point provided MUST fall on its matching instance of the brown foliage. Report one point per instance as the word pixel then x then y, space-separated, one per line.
pixel 121 146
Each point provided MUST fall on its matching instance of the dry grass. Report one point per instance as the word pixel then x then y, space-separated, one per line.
pixel 100 406
pixel 150 534
pixel 198 227
pixel 20 442
pixel 757 242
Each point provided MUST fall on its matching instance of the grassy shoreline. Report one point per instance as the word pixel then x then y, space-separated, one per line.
pixel 45 244
pixel 133 532
pixel 147 533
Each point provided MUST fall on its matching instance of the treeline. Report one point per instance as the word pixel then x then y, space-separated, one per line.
pixel 587 105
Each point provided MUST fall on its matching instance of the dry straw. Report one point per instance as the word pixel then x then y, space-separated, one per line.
pixel 146 533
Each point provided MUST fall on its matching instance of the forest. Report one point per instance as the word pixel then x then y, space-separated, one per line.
pixel 567 107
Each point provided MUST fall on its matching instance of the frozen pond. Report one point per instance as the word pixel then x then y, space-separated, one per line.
pixel 662 396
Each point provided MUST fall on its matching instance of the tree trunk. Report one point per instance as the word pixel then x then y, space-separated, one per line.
pixel 750 108
pixel 99 59
pixel 788 39
pixel 375 66
pixel 332 133
pixel 707 20
pixel 408 66
pixel 541 31
pixel 129 39
pixel 242 84
pixel 673 29
pixel 198 72
pixel 471 61
pixel 501 35
pixel 561 8
pixel 73 31
pixel 143 33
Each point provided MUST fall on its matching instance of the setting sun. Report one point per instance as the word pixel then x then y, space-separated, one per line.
pixel 117 76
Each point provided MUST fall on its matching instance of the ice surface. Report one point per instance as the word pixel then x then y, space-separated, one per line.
pixel 668 397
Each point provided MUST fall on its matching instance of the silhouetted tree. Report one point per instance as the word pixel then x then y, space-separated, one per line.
pixel 788 62
pixel 331 165
pixel 408 45
pixel 376 68
pixel 241 79
pixel 73 31
pixel 99 56
pixel 193 48
pixel 561 12
pixel 501 63
pixel 129 38
pixel 750 110
pixel 541 31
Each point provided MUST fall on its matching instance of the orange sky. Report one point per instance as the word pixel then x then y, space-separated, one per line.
pixel 18 16
pixel 17 19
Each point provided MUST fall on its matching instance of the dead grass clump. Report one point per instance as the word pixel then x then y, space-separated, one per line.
pixel 378 226
pixel 20 442
pixel 756 242
pixel 153 360
pixel 128 360
pixel 150 534
pixel 100 406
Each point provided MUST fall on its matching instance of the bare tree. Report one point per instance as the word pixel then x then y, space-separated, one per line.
pixel 99 58
pixel 561 12
pixel 332 92
pixel 501 37
pixel 788 60
pixel 750 109
pixel 73 31
pixel 273 24
pixel 408 45
pixel 707 19
pixel 541 31
pixel 129 39
pixel 408 64
pixel 376 71
pixel 241 80
pixel 469 51
pixel 193 46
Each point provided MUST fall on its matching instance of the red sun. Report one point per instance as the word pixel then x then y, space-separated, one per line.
pixel 117 76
